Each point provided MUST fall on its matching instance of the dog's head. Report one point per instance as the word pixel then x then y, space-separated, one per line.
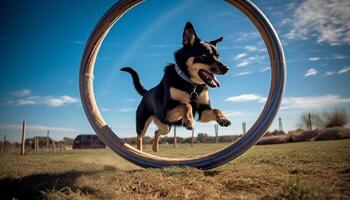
pixel 199 59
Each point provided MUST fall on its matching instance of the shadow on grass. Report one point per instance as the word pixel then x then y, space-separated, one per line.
pixel 34 186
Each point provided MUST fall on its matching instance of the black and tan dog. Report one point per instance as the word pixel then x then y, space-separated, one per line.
pixel 183 91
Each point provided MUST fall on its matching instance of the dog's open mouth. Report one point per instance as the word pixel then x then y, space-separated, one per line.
pixel 209 78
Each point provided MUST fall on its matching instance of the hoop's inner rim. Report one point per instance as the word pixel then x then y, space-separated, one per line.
pixel 97 121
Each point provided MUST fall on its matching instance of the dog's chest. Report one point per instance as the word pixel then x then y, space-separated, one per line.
pixel 184 97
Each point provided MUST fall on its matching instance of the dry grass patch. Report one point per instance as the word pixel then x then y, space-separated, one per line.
pixel 316 170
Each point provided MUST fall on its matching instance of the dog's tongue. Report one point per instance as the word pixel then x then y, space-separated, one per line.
pixel 216 82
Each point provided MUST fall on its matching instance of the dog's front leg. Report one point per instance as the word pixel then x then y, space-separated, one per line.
pixel 182 112
pixel 214 115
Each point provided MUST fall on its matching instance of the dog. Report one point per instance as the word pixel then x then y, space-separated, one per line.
pixel 183 90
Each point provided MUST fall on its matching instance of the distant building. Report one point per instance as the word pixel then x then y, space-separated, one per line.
pixel 88 142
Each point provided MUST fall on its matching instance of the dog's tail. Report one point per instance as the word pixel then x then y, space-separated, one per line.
pixel 135 77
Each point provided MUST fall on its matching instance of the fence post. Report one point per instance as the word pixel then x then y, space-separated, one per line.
pixel 280 124
pixel 192 139
pixel 36 145
pixel 5 144
pixel 175 140
pixel 62 147
pixel 216 127
pixel 54 146
pixel 23 147
pixel 47 141
pixel 244 127
pixel 309 122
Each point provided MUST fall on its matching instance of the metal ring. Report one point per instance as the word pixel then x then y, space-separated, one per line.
pixel 230 152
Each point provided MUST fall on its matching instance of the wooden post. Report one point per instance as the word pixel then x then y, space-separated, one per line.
pixel 175 140
pixel 47 140
pixel 244 127
pixel 309 122
pixel 54 146
pixel 280 124
pixel 4 144
pixel 23 147
pixel 216 127
pixel 62 147
pixel 192 139
pixel 36 145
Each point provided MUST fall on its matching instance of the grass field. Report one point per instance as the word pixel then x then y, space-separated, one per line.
pixel 307 170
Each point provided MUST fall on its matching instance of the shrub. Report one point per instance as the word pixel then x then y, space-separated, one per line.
pixel 202 137
pixel 328 119
pixel 335 118
pixel 316 120
pixel 275 132
pixel 303 136
pixel 334 133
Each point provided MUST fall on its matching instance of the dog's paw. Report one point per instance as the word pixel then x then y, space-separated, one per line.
pixel 224 122
pixel 187 123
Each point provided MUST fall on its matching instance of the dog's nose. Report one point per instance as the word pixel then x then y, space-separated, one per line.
pixel 225 69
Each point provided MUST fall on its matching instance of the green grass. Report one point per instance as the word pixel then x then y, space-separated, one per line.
pixel 307 170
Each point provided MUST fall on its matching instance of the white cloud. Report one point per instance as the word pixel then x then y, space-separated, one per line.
pixel 327 21
pixel 255 48
pixel 329 73
pixel 59 101
pixel 251 48
pixel 243 73
pixel 247 36
pixel 338 57
pixel 239 56
pixel 45 100
pixel 265 69
pixel 307 102
pixel 38 128
pixel 246 97
pixel 260 59
pixel 127 109
pixel 243 63
pixel 341 71
pixel 32 100
pixel 311 72
pixel 314 58
pixel 21 93
pixel 312 102
pixel 344 70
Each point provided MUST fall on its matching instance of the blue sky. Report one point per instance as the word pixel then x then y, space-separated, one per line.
pixel 42 44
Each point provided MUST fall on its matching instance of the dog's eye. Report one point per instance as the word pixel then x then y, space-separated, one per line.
pixel 205 58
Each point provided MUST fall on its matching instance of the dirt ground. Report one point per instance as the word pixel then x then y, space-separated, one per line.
pixel 306 170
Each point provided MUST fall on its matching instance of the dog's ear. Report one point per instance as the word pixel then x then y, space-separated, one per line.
pixel 214 42
pixel 189 35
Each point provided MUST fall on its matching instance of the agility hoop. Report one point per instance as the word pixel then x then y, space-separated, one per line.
pixel 217 158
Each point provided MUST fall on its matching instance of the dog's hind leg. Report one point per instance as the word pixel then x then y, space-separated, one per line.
pixel 163 129
pixel 143 119
pixel 141 132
